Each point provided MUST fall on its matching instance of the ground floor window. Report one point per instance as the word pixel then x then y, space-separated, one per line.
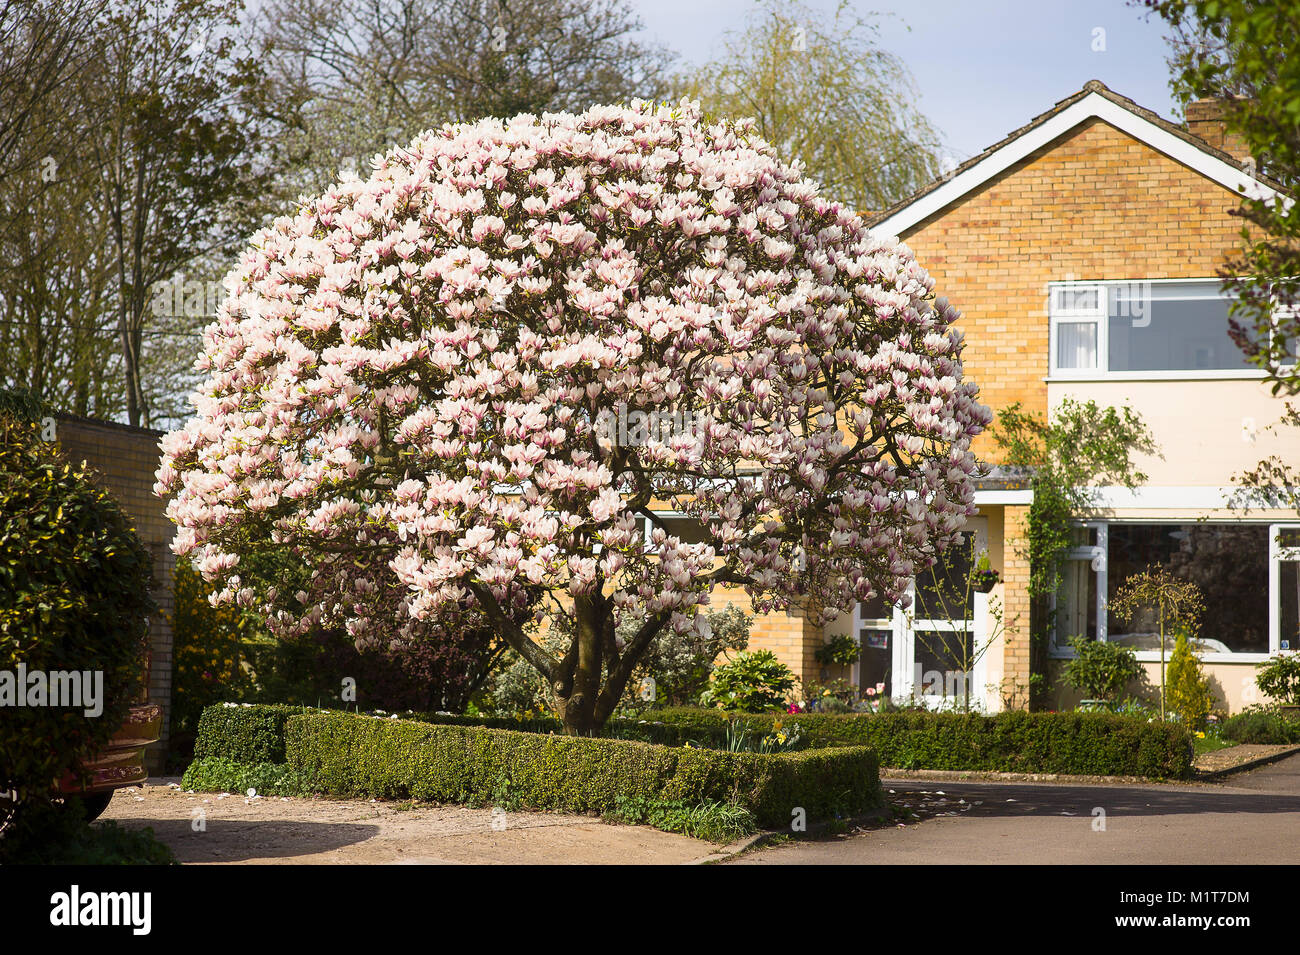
pixel 1246 572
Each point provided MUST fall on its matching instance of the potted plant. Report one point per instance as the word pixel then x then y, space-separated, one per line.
pixel 983 578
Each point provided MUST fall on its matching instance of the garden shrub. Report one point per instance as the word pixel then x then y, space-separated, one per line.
pixel 1263 727
pixel 1099 744
pixel 1187 689
pixel 349 755
pixel 1279 677
pixel 753 682
pixel 74 596
pixel 423 672
pixel 218 774
pixel 1101 670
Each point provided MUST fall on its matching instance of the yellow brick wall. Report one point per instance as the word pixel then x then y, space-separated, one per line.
pixel 1094 204
pixel 1014 597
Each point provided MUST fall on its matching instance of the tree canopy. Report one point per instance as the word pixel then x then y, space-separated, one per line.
pixel 419 379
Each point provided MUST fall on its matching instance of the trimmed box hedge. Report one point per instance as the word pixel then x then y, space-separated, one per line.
pixel 1097 744
pixel 350 755
pixel 254 733
pixel 1086 744
pixel 243 733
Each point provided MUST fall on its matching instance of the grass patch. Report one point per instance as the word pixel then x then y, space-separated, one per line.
pixel 712 821
pixel 1209 744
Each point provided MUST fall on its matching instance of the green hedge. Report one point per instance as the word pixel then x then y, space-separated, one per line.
pixel 1262 728
pixel 1088 744
pixel 349 755
pixel 1095 744
pixel 243 734
pixel 255 733
pixel 647 730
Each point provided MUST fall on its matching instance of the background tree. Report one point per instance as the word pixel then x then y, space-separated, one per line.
pixel 353 78
pixel 822 90
pixel 44 47
pixel 179 164
pixel 56 293
pixel 149 164
pixel 1243 53
pixel 413 382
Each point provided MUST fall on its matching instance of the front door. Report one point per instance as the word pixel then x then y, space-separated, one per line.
pixel 930 652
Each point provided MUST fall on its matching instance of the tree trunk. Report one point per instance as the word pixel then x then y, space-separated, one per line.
pixel 578 704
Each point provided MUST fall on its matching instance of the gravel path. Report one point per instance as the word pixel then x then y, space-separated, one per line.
pixel 212 828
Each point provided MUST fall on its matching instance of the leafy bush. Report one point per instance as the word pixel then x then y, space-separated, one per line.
pixel 1187 690
pixel 839 651
pixel 715 821
pixel 54 833
pixel 681 664
pixel 1262 727
pixel 1099 744
pixel 218 774
pixel 348 755
pixel 422 672
pixel 212 651
pixel 751 683
pixel 1279 677
pixel 1101 670
pixel 74 596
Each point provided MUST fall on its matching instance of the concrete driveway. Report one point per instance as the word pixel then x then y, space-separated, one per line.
pixel 1251 819
pixel 212 828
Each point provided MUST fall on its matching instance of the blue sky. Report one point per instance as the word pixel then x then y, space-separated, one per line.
pixel 983 68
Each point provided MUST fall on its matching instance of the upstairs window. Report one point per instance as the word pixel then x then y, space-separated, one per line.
pixel 1141 328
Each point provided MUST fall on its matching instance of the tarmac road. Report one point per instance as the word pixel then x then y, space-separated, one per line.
pixel 1252 819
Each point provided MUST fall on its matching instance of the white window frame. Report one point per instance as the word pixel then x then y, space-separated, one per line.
pixel 1100 554
pixel 1281 312
pixel 1101 314
pixel 1096 555
pixel 1097 315
pixel 1276 555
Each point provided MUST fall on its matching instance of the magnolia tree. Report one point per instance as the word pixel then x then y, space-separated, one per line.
pixel 418 388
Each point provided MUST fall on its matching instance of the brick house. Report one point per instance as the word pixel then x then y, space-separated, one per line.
pixel 1082 250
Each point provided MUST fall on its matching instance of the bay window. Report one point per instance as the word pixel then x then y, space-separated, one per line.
pixel 1248 574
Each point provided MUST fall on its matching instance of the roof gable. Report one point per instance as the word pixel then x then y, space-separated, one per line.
pixel 1093 101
